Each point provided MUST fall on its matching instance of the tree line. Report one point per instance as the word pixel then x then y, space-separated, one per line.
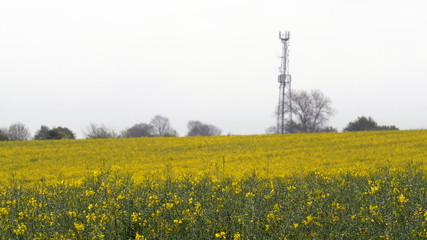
pixel 312 111
pixel 159 126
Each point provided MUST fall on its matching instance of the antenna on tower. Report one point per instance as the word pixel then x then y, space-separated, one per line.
pixel 284 109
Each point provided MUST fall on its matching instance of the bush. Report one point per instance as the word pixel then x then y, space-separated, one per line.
pixel 366 124
pixel 3 135
pixel 44 133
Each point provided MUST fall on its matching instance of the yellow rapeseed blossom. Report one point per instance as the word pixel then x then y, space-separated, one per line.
pixel 169 206
pixel 237 236
pixel 249 194
pixel 238 156
pixel 375 189
pixel 233 187
pixel 139 237
pixel 134 217
pixel 89 192
pixel 79 226
pixel 220 235
pixel 308 220
pixel 402 199
pixel 72 214
pixel 3 211
pixel 21 229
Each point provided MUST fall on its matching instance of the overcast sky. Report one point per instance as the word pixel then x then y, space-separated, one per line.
pixel 71 63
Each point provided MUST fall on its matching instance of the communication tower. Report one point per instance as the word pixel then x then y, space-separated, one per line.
pixel 284 109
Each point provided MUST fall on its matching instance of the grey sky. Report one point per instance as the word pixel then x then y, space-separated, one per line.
pixel 71 63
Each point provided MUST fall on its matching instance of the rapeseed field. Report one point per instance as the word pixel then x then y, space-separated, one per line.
pixel 234 156
pixel 366 185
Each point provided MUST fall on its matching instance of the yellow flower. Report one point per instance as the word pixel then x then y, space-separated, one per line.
pixel 116 168
pixel 249 194
pixel 79 226
pixel 21 229
pixel 169 206
pixel 3 211
pixel 402 199
pixel 139 237
pixel 375 189
pixel 21 215
pixel 134 217
pixel 96 173
pixel 72 214
pixel 220 235
pixel 309 219
pixel 89 193
pixel 372 208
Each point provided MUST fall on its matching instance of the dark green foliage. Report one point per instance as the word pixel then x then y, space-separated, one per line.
pixel 61 132
pixel 139 130
pixel 3 135
pixel 386 204
pixel 44 133
pixel 366 124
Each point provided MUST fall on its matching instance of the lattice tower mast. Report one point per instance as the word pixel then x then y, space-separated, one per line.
pixel 284 110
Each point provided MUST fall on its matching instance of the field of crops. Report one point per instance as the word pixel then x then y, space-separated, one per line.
pixel 304 186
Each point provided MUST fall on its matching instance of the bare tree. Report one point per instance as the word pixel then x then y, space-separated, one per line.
pixel 322 110
pixel 18 132
pixel 139 130
pixel 99 131
pixel 311 111
pixel 162 126
pixel 197 128
pixel 302 108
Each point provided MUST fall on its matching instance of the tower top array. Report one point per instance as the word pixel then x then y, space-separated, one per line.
pixel 284 36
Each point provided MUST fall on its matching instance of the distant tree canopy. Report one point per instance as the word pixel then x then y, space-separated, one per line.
pixel 44 133
pixel 99 131
pixel 139 130
pixel 159 126
pixel 298 128
pixel 18 132
pixel 162 127
pixel 197 128
pixel 310 110
pixel 366 124
pixel 3 134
